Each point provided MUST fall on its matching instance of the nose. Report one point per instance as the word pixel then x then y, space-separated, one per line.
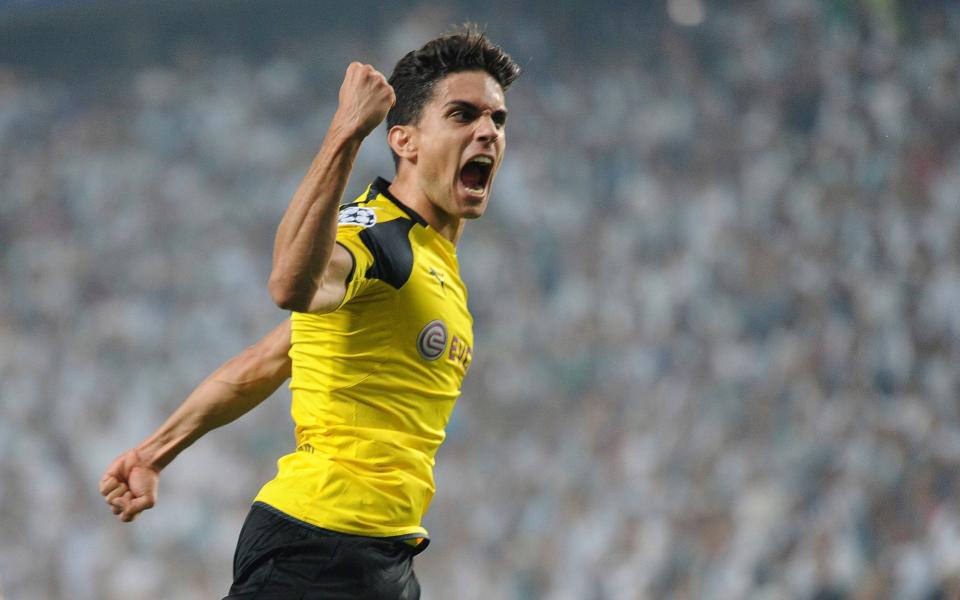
pixel 487 131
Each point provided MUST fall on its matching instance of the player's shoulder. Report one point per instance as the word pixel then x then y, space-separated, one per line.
pixel 376 205
pixel 383 224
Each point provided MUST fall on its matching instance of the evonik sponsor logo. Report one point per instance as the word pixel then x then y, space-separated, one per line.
pixel 432 340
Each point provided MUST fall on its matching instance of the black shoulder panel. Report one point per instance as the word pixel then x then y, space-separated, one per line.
pixel 389 242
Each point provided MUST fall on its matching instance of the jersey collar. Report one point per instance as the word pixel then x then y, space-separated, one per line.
pixel 382 186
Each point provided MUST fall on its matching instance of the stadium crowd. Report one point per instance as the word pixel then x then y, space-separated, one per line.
pixel 715 295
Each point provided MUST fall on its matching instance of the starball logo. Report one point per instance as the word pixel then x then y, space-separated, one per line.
pixel 357 215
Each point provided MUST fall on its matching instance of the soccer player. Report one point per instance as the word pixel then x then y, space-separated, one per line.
pixel 378 342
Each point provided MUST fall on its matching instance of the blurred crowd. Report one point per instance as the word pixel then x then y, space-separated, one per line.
pixel 716 300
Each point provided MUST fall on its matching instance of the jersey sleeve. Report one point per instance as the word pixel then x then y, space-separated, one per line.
pixel 348 236
pixel 381 250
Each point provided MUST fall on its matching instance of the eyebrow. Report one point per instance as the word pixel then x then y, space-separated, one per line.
pixel 470 106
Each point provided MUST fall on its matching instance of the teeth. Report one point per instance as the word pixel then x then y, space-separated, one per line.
pixel 483 160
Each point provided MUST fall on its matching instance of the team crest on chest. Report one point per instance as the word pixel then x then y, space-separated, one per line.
pixel 432 340
pixel 358 215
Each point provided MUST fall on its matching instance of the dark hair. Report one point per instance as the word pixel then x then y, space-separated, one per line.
pixel 466 49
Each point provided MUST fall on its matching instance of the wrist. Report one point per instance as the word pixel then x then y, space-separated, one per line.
pixel 346 129
pixel 154 453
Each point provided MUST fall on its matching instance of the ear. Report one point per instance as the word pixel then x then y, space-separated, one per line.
pixel 403 141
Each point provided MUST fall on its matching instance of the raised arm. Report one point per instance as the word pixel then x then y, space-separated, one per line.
pixel 130 482
pixel 308 273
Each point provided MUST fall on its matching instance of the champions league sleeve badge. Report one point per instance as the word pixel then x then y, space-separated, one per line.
pixel 357 215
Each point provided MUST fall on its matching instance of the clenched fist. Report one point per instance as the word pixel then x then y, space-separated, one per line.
pixel 365 99
pixel 130 485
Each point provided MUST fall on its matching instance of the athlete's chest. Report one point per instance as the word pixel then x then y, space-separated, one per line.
pixel 434 306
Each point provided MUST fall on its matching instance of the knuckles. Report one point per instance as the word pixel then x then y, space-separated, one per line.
pixel 366 75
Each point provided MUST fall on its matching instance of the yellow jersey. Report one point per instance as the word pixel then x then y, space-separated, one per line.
pixel 374 382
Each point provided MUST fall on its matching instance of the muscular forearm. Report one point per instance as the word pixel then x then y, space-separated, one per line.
pixel 231 391
pixel 305 237
pixel 211 405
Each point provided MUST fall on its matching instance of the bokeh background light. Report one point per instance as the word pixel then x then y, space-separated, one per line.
pixel 716 291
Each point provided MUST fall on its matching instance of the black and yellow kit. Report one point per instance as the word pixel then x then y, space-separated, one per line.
pixel 281 558
pixel 374 382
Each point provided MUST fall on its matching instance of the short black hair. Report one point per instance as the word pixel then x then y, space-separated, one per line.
pixel 466 49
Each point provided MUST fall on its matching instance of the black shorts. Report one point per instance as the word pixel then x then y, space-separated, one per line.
pixel 281 558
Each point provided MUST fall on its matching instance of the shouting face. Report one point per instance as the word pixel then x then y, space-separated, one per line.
pixel 459 142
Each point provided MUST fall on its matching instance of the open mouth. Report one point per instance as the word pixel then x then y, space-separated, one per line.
pixel 476 174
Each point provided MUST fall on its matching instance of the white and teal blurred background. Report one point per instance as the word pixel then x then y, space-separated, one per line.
pixel 717 291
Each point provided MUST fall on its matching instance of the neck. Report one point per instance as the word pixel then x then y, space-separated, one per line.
pixel 406 189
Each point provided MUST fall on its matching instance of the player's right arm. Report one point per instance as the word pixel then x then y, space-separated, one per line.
pixel 309 269
pixel 130 482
